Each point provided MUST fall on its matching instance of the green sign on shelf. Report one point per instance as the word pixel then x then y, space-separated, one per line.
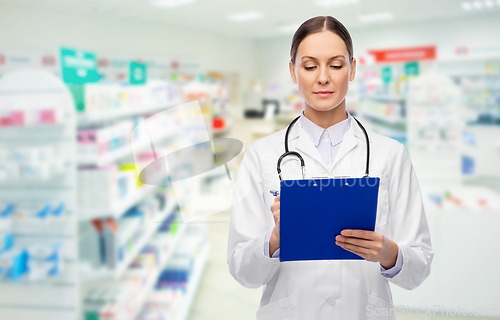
pixel 412 68
pixel 137 72
pixel 78 67
pixel 386 74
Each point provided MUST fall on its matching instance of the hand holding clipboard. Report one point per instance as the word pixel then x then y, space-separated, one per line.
pixel 310 238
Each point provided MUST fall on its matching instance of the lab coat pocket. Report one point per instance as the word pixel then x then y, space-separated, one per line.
pixel 379 309
pixel 383 203
pixel 277 310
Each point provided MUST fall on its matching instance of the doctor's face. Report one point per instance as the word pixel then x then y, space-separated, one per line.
pixel 322 70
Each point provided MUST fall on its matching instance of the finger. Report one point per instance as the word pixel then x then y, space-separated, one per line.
pixel 353 248
pixel 359 253
pixel 362 234
pixel 276 214
pixel 367 244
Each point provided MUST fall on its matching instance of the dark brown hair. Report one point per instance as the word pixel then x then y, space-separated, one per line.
pixel 318 24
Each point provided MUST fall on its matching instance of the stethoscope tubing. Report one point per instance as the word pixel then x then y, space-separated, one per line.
pixel 302 164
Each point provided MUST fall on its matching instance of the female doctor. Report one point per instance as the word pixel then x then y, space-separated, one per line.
pixel 331 144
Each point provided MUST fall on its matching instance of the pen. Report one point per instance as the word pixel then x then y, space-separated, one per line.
pixel 274 192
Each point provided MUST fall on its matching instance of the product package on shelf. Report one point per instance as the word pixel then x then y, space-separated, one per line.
pixel 110 300
pixel 100 97
pixel 102 188
pixel 177 282
pixel 112 242
pixel 125 298
pixel 35 116
pixel 31 260
pixel 96 142
pixel 34 163
pixel 25 217
pixel 98 145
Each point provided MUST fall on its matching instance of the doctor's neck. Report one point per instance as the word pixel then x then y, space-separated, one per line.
pixel 326 119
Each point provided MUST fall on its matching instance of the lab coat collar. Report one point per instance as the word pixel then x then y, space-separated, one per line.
pixel 297 131
pixel 298 139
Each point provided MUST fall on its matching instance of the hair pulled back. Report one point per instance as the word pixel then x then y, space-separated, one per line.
pixel 318 24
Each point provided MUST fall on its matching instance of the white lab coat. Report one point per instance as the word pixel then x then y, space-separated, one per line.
pixel 349 289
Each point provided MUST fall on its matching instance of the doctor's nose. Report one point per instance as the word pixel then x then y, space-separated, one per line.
pixel 323 78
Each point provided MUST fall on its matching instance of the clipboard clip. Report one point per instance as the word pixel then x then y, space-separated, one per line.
pixel 314 178
pixel 335 177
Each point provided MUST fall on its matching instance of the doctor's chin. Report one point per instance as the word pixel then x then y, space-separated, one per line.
pixel 249 160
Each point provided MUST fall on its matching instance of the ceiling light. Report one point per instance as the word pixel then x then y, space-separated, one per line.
pixel 376 17
pixel 172 3
pixel 334 3
pixel 477 4
pixel 489 3
pixel 245 16
pixel 466 6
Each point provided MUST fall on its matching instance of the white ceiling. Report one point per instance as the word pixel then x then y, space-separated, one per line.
pixel 210 15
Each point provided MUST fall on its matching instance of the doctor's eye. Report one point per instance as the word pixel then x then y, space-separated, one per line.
pixel 310 68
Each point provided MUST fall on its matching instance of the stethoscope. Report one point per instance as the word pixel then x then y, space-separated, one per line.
pixel 295 153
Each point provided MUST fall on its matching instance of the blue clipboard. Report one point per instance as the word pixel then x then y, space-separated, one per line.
pixel 314 211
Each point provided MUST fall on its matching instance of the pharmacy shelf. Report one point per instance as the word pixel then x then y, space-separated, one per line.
pixel 153 279
pixel 120 208
pixel 146 237
pixel 53 298
pixel 88 273
pixel 110 157
pixel 387 131
pixel 382 118
pixel 385 98
pixel 194 282
pixel 121 153
pixel 84 119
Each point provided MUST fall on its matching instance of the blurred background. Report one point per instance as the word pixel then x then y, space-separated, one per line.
pixel 88 91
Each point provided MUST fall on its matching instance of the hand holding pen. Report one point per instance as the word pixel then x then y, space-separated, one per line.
pixel 274 242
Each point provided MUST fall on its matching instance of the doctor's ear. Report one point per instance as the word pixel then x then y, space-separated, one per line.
pixel 292 71
pixel 353 70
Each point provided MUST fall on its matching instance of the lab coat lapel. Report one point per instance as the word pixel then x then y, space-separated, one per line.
pixel 348 143
pixel 305 145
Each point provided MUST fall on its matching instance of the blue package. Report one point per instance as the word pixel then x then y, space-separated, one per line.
pixel 58 210
pixel 19 264
pixel 7 211
pixel 6 242
pixel 44 212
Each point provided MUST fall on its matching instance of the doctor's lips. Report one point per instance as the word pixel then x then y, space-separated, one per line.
pixel 324 93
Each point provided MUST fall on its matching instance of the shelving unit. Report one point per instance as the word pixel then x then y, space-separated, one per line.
pixel 385 115
pixel 88 273
pixel 435 129
pixel 194 282
pixel 120 208
pixel 156 273
pixel 479 80
pixel 84 119
pixel 382 103
pixel 24 298
pixel 381 118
